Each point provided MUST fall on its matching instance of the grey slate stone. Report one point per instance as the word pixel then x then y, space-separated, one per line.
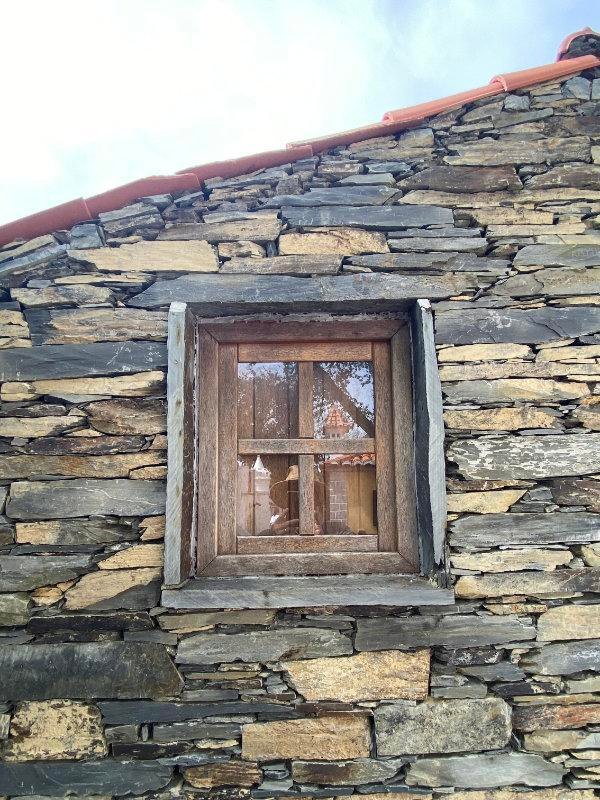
pixel 118 713
pixel 262 646
pixel 432 262
pixel 559 255
pixel 284 265
pixel 81 360
pixel 564 658
pixel 85 236
pixel 336 196
pixel 345 773
pixel 457 630
pixel 551 283
pixel 527 457
pixel 34 259
pixel 231 294
pixel 480 532
pixel 88 670
pixel 14 609
pixel 62 778
pixel 85 497
pixel 443 726
pixel 381 217
pixel 23 573
pixel 484 771
pixel 517 326
pixel 464 179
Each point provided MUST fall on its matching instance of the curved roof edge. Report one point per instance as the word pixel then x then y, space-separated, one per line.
pixel 68 214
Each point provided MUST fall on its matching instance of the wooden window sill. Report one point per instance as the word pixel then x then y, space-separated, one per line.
pixel 298 592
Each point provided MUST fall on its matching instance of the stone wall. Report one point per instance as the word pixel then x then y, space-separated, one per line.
pixel 104 692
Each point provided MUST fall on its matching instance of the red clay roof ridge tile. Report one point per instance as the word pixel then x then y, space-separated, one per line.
pixel 80 210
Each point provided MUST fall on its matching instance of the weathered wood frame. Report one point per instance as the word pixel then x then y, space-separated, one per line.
pixel 193 363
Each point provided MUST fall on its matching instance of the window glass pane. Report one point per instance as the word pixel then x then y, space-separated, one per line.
pixel 267 495
pixel 345 494
pixel 268 400
pixel 344 400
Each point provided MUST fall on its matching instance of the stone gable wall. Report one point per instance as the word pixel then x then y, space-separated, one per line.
pixel 103 692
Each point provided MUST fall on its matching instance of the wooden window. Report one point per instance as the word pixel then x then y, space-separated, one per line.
pixel 302 446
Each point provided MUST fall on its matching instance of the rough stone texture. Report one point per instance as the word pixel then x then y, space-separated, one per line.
pixel 331 736
pixel 512 560
pixel 499 419
pixel 366 676
pixel 54 730
pixel 505 390
pixel 151 257
pixel 480 533
pixel 262 646
pixel 338 241
pixel 578 715
pixel 14 609
pixel 442 726
pixel 560 583
pixel 570 622
pixel 112 589
pixel 230 773
pixel 76 326
pixel 563 659
pixel 115 669
pixel 345 773
pixel 485 770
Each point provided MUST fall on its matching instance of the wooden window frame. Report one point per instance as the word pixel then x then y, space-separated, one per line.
pixel 196 345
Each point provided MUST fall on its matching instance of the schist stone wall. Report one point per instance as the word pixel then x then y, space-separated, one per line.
pixel 493 209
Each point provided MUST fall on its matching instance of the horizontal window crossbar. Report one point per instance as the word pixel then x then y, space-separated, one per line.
pixel 251 447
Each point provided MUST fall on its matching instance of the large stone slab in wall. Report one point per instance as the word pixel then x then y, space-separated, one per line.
pixel 569 622
pixel 476 532
pixel 456 630
pixel 442 726
pixel 81 360
pixel 230 294
pixel 551 283
pixel 262 646
pixel 85 497
pixel 79 325
pixel 464 179
pixel 23 573
pixel 366 676
pixel 384 218
pixel 86 671
pixel 331 736
pixel 14 609
pixel 527 457
pixel 557 583
pixel 284 265
pixel 506 390
pixel 496 152
pixel 517 326
pixel 63 778
pixel 229 227
pixel 155 256
pixel 563 659
pixel 347 773
pixel 336 196
pixel 559 255
pixel 485 770
pixel 110 589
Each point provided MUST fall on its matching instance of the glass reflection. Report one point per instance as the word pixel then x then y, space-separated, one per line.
pixel 344 401
pixel 267 495
pixel 346 496
pixel 267 400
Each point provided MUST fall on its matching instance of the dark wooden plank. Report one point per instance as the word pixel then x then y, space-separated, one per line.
pixel 429 439
pixel 227 448
pixel 256 545
pixel 208 426
pixel 384 448
pixel 314 329
pixel 219 295
pixel 306 446
pixel 179 538
pixel 404 456
pixel 308 564
pixel 299 592
pixel 305 351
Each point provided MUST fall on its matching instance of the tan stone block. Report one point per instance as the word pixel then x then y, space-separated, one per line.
pixel 581 354
pixel 591 554
pixel 188 623
pixel 155 473
pixel 384 675
pixel 588 413
pixel 392 796
pixel 229 773
pixel 34 427
pixel 499 419
pixel 484 502
pixel 506 609
pixel 55 729
pixel 512 560
pixel 331 736
pixel 195 256
pixel 152 528
pixel 138 384
pixel 99 586
pixel 138 555
pixel 483 352
pixel 9 343
pixel 553 793
pixel 240 250
pixel 569 622
pixel 335 241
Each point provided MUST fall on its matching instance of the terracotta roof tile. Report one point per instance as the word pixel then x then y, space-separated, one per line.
pixel 80 209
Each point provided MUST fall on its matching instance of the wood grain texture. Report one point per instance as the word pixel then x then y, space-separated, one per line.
pixel 308 564
pixel 208 425
pixel 180 424
pixel 317 328
pixel 429 439
pixel 404 456
pixel 306 463
pixel 384 448
pixel 306 446
pixel 227 448
pixel 257 545
pixel 305 351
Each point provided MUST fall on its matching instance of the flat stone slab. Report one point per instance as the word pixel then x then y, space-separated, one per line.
pixel 556 583
pixel 443 726
pixel 85 497
pixel 154 256
pixel 486 770
pixel 87 670
pixel 480 532
pixel 563 659
pixel 559 255
pixel 81 360
pixel 380 217
pixel 517 326
pixel 105 777
pixel 262 646
pixel 336 196
pixel 527 457
pixel 346 773
pixel 231 294
pixel 23 573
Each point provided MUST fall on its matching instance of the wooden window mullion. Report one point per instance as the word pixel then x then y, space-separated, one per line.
pixel 306 463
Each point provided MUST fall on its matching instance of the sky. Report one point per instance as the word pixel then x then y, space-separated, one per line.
pixel 101 92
